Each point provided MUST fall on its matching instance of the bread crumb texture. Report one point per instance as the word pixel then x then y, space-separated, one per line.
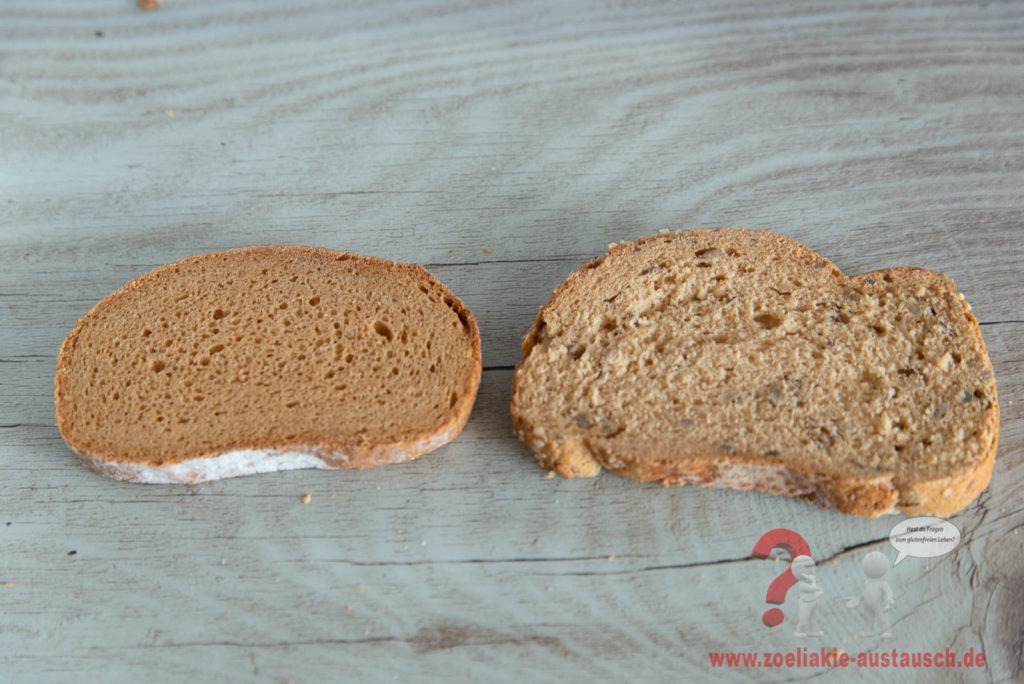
pixel 743 359
pixel 315 357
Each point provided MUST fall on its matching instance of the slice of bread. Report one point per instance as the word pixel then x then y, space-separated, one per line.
pixel 742 359
pixel 267 358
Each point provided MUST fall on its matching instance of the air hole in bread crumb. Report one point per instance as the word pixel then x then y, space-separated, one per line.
pixel 384 330
pixel 576 350
pixel 454 399
pixel 157 366
pixel 219 313
pixel 216 348
pixel 881 329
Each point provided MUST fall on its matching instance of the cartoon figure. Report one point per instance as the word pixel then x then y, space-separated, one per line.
pixel 877 596
pixel 803 569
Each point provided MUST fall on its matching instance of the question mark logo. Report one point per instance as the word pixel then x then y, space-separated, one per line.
pixel 794 545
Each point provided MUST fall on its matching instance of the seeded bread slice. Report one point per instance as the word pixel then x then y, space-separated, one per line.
pixel 742 359
pixel 267 358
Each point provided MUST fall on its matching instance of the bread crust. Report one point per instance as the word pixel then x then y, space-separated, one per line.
pixel 245 454
pixel 582 455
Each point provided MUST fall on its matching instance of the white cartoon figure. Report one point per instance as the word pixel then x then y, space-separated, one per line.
pixel 877 595
pixel 807 624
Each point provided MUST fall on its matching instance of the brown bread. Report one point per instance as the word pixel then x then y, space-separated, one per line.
pixel 743 359
pixel 267 358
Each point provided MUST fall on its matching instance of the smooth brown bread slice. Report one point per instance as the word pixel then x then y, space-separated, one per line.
pixel 263 359
pixel 743 359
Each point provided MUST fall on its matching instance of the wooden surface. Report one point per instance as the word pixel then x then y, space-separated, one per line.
pixel 879 133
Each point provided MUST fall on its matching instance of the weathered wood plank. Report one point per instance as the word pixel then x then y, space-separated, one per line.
pixel 878 133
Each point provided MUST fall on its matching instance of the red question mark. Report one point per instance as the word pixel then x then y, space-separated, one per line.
pixel 794 545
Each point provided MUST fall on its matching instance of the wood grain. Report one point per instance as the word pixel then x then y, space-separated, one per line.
pixel 878 133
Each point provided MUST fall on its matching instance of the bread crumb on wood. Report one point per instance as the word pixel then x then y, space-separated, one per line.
pixel 8 585
pixel 169 113
pixel 486 250
pixel 148 4
pixel 550 475
pixel 306 498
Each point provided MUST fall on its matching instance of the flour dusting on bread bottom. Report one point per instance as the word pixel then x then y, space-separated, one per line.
pixel 242 462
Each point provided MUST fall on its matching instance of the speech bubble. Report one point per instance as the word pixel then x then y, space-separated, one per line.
pixel 924 537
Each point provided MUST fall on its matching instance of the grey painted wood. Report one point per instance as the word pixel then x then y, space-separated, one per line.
pixel 878 133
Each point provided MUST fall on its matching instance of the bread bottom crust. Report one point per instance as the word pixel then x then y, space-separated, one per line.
pixel 870 498
pixel 242 462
